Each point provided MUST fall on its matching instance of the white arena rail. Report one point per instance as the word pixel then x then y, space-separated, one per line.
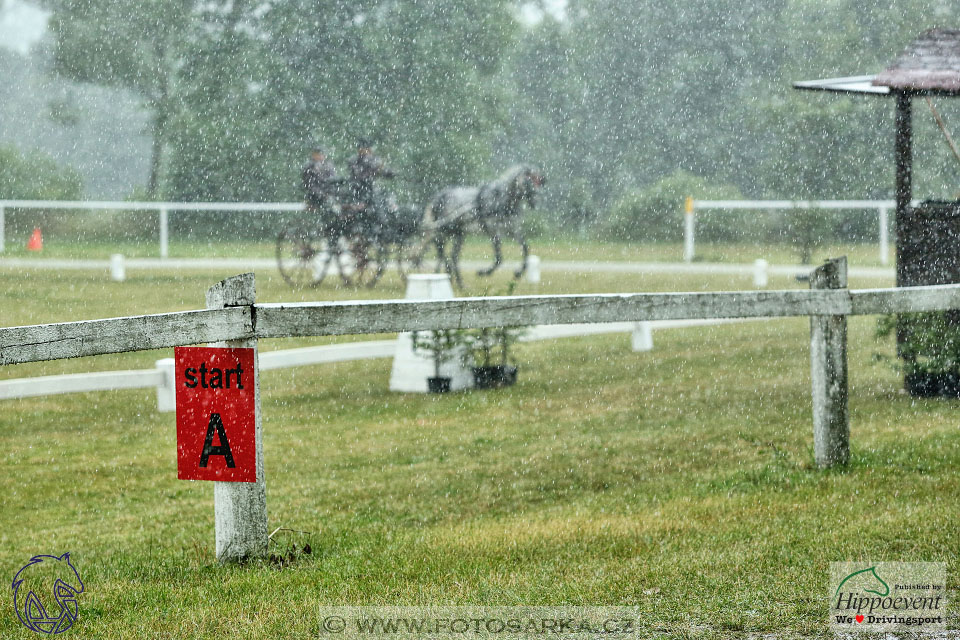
pixel 691 207
pixel 163 209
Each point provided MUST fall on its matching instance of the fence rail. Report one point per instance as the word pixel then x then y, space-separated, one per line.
pixel 883 208
pixel 163 210
pixel 288 320
pixel 233 318
pixel 161 377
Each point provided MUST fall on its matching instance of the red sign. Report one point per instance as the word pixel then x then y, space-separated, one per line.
pixel 216 414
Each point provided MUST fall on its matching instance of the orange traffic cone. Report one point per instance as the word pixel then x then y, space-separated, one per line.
pixel 35 243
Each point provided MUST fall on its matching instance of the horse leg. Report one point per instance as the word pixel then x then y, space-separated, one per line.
pixel 455 257
pixel 441 258
pixel 497 256
pixel 525 249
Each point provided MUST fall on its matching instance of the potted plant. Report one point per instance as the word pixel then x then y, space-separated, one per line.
pixel 491 349
pixel 929 352
pixel 440 346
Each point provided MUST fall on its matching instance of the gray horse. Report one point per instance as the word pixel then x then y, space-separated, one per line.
pixel 495 207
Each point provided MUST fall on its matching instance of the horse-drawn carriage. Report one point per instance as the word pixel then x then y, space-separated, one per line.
pixel 360 240
pixel 357 241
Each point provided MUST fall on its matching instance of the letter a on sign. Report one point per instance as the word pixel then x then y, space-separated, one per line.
pixel 216 419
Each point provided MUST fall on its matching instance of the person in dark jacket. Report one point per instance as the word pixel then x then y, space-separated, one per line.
pixel 319 175
pixel 364 169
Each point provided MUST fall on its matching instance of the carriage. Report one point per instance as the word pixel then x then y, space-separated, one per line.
pixel 359 242
pixel 353 241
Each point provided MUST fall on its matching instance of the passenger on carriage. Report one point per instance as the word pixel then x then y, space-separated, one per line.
pixel 364 169
pixel 319 177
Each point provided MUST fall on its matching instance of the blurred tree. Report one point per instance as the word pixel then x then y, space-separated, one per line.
pixel 109 42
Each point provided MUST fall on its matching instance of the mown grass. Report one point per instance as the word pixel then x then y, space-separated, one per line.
pixel 679 481
pixel 562 247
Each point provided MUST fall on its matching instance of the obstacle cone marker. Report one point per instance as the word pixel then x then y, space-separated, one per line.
pixel 35 243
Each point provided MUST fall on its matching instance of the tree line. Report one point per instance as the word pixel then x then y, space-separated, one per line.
pixel 624 105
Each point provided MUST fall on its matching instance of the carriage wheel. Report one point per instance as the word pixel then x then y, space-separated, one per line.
pixel 303 257
pixel 369 262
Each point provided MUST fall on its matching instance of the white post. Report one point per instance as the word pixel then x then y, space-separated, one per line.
pixel 760 276
pixel 688 230
pixel 884 236
pixel 164 233
pixel 166 391
pixel 642 337
pixel 240 508
pixel 118 271
pixel 411 369
pixel 2 226
pixel 533 269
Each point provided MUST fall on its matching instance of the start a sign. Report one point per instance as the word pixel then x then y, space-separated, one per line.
pixel 216 414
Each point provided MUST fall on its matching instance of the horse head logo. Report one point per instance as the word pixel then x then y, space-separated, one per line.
pixel 866 580
pixel 36 580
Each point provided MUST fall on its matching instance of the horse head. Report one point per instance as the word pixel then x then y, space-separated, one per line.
pixel 525 183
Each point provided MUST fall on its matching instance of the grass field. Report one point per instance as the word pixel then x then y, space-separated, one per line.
pixel 558 248
pixel 679 480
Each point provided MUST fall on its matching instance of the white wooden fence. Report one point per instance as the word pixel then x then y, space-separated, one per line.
pixel 161 377
pixel 234 318
pixel 163 210
pixel 883 208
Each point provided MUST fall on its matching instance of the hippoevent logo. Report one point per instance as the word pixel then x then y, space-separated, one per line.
pixel 45 594
pixel 888 596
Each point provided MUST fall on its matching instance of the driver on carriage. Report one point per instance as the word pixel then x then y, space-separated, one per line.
pixel 364 169
pixel 319 176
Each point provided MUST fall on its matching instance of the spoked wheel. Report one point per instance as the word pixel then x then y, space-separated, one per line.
pixel 369 261
pixel 304 257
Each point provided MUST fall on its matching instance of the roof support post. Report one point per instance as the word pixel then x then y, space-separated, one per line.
pixel 904 191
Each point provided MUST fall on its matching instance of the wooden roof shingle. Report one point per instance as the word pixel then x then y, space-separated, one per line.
pixel 929 63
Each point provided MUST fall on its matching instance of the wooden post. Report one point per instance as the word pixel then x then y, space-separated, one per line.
pixel 164 233
pixel 828 372
pixel 904 176
pixel 240 508
pixel 688 230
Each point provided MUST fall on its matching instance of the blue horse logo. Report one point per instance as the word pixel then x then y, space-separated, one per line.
pixel 35 580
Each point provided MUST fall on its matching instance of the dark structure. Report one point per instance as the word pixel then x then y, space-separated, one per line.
pixel 928 233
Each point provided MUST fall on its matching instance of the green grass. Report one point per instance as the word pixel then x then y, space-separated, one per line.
pixel 553 248
pixel 679 481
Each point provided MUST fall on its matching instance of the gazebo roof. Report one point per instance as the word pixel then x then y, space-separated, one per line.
pixel 929 63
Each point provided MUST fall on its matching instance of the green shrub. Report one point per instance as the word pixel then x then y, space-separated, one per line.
pixel 655 213
pixel 35 176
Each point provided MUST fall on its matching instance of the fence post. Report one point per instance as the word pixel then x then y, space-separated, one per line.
pixel 641 338
pixel 884 236
pixel 240 508
pixel 760 274
pixel 166 391
pixel 688 230
pixel 533 269
pixel 3 234
pixel 118 270
pixel 828 372
pixel 164 233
